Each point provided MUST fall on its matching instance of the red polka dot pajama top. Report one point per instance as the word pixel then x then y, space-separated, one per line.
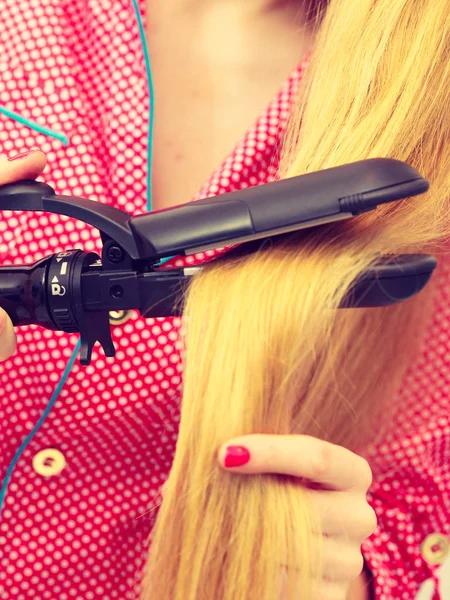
pixel 76 518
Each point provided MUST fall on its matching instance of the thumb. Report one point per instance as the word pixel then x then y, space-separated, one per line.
pixel 7 336
pixel 24 165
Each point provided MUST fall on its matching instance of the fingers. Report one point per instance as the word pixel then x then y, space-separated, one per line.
pixel 7 336
pixel 342 561
pixel 28 166
pixel 25 165
pixel 303 456
pixel 331 590
pixel 342 566
pixel 328 590
pixel 344 514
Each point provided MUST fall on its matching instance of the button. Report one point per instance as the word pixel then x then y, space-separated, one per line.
pixel 119 317
pixel 435 548
pixel 49 462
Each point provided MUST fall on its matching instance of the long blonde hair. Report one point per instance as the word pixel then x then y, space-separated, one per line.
pixel 267 349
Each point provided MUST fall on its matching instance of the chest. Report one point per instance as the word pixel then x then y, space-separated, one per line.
pixel 213 76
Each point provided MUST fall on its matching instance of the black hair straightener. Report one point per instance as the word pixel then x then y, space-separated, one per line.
pixel 74 291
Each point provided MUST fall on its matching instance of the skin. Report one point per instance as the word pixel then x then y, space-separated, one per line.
pixel 206 99
pixel 359 588
pixel 28 167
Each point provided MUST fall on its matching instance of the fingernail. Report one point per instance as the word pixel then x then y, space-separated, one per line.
pixel 236 456
pixel 22 154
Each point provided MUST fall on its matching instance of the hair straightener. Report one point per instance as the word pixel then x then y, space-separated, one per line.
pixel 74 291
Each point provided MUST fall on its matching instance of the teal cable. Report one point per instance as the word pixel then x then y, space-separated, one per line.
pixel 152 105
pixel 151 116
pixel 65 141
pixel 35 429
pixel 35 126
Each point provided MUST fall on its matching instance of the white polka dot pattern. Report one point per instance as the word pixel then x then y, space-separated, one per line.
pixel 78 69
pixel 411 489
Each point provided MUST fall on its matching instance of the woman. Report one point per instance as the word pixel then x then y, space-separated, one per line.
pixel 82 509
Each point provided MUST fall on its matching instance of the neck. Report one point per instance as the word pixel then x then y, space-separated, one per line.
pixel 244 6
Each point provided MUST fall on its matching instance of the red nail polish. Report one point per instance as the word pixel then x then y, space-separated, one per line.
pixel 236 456
pixel 21 154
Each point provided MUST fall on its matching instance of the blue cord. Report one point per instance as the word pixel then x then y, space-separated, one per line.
pixel 152 105
pixel 33 432
pixel 35 126
pixel 65 141
pixel 151 117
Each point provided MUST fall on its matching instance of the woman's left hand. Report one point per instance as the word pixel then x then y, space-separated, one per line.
pixel 338 481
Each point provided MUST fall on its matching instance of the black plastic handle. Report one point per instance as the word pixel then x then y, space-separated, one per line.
pixel 37 196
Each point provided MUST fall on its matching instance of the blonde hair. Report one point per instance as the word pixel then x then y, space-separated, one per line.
pixel 267 349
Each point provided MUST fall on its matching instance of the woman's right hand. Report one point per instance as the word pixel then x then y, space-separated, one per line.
pixel 26 165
